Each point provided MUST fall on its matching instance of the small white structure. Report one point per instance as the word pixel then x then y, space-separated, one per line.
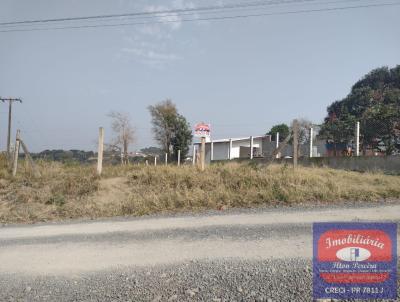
pixel 231 148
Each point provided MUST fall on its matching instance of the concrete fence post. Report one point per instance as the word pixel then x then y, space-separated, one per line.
pixel 277 144
pixel 179 158
pixel 230 149
pixel 166 159
pixel 357 135
pixel 155 160
pixel 100 151
pixel 212 150
pixel 251 147
pixel 194 155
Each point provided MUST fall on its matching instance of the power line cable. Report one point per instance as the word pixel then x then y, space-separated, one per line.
pixel 205 19
pixel 254 6
pixel 156 13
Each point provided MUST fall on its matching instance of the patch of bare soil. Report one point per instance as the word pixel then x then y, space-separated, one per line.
pixel 112 190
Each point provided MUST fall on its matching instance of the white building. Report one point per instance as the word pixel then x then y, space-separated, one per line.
pixel 231 148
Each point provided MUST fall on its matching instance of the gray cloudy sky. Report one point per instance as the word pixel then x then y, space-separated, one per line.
pixel 241 75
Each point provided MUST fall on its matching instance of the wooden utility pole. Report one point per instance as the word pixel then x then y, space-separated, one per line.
pixel 16 154
pixel 100 151
pixel 203 153
pixel 10 101
pixel 295 142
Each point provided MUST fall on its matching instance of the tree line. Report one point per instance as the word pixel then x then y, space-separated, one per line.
pixel 374 101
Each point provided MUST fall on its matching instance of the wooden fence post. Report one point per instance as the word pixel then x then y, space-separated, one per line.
pixel 16 154
pixel 100 151
pixel 155 160
pixel 311 141
pixel 295 142
pixel 29 159
pixel 277 151
pixel 203 153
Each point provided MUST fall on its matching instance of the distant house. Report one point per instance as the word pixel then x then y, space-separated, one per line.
pixel 231 148
pixel 263 146
pixel 137 154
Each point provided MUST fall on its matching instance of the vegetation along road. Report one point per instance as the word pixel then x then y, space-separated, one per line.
pixel 239 255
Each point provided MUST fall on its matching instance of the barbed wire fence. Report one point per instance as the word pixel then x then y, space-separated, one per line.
pixel 344 138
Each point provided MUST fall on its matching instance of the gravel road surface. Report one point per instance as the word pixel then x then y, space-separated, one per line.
pixel 255 255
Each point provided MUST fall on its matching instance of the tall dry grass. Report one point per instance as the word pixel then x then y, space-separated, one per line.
pixel 155 189
pixel 28 199
pixel 74 191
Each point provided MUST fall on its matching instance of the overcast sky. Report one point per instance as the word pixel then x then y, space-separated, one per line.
pixel 240 75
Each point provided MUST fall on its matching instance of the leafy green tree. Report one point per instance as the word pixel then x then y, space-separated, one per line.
pixel 163 116
pixel 182 137
pixel 374 101
pixel 282 129
pixel 381 123
pixel 171 130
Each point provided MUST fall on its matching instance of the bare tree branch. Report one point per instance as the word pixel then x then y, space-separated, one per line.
pixel 125 133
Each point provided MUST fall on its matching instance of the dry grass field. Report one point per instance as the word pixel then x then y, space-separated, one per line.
pixel 74 191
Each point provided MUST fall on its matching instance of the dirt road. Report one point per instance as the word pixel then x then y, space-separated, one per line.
pixel 245 255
